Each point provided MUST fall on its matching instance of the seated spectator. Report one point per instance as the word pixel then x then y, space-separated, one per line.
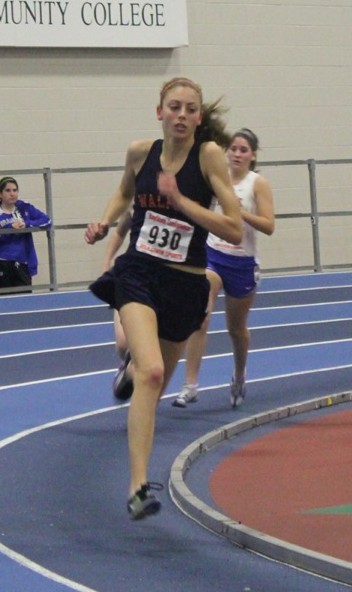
pixel 18 258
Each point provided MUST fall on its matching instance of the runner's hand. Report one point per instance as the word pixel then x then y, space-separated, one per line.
pixel 167 186
pixel 95 231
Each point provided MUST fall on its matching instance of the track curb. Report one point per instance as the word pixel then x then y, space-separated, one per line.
pixel 237 533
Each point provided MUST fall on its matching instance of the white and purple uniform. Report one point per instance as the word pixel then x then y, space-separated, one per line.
pixel 237 265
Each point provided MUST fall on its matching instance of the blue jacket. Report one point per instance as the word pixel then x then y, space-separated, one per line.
pixel 20 247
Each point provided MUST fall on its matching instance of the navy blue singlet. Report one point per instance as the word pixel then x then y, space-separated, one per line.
pixel 148 203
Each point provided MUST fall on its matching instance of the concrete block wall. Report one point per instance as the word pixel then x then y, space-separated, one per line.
pixel 283 69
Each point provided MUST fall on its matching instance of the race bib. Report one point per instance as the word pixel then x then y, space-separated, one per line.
pixel 164 237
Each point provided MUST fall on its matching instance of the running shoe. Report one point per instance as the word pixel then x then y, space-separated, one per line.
pixel 144 503
pixel 238 393
pixel 189 394
pixel 122 385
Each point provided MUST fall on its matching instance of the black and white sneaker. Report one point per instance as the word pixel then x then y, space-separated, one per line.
pixel 122 385
pixel 143 503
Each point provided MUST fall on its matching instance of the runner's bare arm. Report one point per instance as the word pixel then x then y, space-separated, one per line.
pixel 226 225
pixel 120 201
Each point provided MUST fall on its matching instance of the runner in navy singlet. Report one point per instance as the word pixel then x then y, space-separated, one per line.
pixel 159 285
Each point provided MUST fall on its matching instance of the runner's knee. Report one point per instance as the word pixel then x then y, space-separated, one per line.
pixel 152 376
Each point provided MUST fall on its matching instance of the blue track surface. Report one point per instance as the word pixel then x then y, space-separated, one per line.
pixel 63 488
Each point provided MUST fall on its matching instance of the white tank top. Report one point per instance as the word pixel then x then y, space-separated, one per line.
pixel 248 247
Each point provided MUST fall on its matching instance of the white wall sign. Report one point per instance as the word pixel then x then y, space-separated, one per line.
pixel 93 23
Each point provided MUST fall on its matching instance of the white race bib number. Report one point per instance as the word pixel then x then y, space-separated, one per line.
pixel 165 238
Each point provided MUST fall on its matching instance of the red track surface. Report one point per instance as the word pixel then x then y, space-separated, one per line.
pixel 294 484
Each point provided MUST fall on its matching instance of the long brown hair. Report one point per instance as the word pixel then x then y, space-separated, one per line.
pixel 212 126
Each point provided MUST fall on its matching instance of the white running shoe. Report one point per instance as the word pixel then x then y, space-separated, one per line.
pixel 189 394
pixel 238 393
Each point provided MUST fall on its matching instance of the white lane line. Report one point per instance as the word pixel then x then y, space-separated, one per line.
pixel 42 571
pixel 51 310
pixel 22 559
pixel 56 328
pixel 58 349
pixel 105 343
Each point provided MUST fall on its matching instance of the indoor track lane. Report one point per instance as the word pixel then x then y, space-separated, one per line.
pixel 62 504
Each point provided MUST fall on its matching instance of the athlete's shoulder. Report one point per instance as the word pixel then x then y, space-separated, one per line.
pixel 137 153
pixel 139 148
pixel 22 205
pixel 211 148
pixel 211 155
pixel 259 180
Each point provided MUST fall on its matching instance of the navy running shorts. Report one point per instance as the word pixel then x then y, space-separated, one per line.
pixel 178 298
pixel 240 275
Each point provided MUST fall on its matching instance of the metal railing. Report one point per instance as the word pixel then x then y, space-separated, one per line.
pixel 313 214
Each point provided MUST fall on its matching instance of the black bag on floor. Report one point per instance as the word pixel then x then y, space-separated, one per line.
pixel 13 273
